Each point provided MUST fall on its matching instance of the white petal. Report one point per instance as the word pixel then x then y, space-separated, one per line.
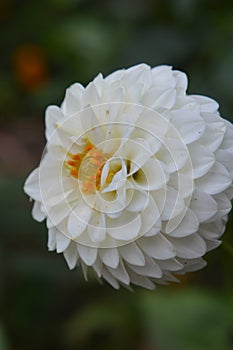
pixel 154 123
pixel 224 206
pixel 151 219
pixel 71 255
pixel 189 124
pixel 31 186
pixel 211 231
pixel 78 219
pixel 90 124
pixel 192 264
pixel 109 256
pixel 207 103
pixel 87 254
pixel 141 281
pixel 151 176
pixel 120 273
pixel 150 269
pixel 158 247
pixel 174 153
pixel 202 159
pixel 215 131
pixel 58 213
pixel 182 226
pixel 125 228
pixel 37 213
pixel 73 99
pixel 225 157
pixel 91 95
pixel 136 151
pixel 52 232
pixel 139 201
pixel 110 279
pixel 189 247
pixel 174 204
pixel 170 264
pixel 203 205
pixel 132 254
pixel 215 181
pixel 96 228
pixel 62 242
pixel 98 267
pixel 53 115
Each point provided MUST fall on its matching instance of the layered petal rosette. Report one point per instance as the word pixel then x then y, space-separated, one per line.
pixel 136 177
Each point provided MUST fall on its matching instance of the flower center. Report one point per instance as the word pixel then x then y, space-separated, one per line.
pixel 87 167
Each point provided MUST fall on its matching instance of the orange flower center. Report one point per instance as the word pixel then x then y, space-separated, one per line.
pixel 87 167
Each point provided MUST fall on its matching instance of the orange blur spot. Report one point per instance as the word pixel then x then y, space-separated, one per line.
pixel 30 66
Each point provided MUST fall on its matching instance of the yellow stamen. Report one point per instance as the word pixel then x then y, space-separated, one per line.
pixel 87 167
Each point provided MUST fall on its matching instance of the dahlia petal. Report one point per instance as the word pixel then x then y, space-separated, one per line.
pixel 165 100
pixel 201 165
pixel 53 115
pixel 227 142
pixel 57 214
pixel 31 186
pixel 90 124
pixel 121 228
pixel 52 232
pixel 110 257
pixel 192 264
pixel 225 157
pixel 212 244
pixel 224 206
pixel 37 213
pixel 96 228
pixel 87 254
pixel 153 123
pixel 182 226
pixel 158 247
pixel 98 267
pixel 71 255
pixel 78 219
pixel 120 273
pixel 141 281
pixel 211 231
pixel 72 102
pixel 170 264
pixel 214 126
pixel 110 279
pixel 215 181
pixel 90 95
pixel 84 268
pixel 132 254
pixel 203 205
pixel 173 154
pixel 150 269
pixel 181 80
pixel 138 202
pixel 189 125
pixel 207 104
pixel 62 242
pixel 189 247
pixel 173 206
pixel 151 219
pixel 151 176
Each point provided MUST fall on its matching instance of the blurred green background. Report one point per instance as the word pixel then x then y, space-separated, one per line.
pixel 45 46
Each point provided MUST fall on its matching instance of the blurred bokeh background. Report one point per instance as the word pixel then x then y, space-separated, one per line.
pixel 45 46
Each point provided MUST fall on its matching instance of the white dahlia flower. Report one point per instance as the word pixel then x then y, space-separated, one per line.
pixel 136 178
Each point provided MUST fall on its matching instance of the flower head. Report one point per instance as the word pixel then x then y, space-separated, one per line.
pixel 136 178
